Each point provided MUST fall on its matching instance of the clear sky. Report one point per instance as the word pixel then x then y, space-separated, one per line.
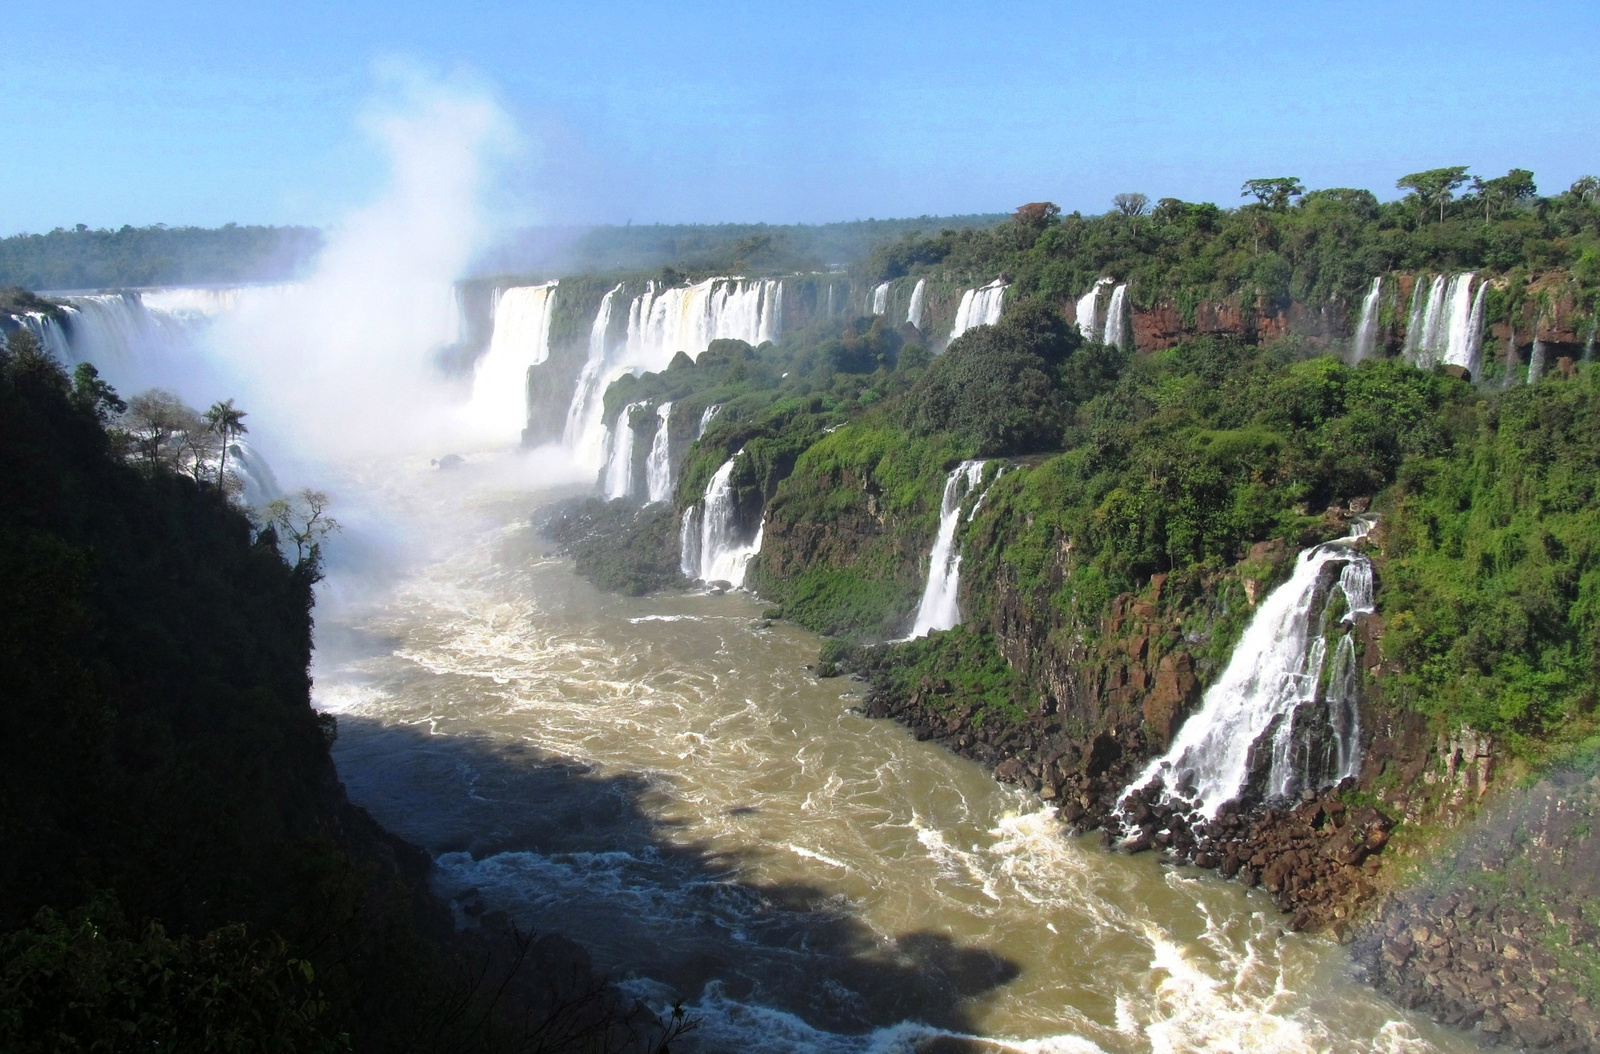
pixel 204 113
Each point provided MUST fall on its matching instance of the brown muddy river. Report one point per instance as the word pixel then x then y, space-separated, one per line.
pixel 661 779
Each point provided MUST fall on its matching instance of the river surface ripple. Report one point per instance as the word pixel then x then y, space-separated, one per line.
pixel 661 779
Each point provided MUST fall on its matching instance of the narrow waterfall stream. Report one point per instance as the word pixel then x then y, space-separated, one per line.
pixel 661 779
pixel 658 464
pixel 1366 336
pixel 940 607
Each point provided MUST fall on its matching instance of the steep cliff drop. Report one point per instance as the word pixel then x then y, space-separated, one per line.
pixel 521 339
pixel 1268 709
pixel 939 608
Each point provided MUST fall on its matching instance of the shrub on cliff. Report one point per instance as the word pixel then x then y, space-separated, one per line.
pixel 999 389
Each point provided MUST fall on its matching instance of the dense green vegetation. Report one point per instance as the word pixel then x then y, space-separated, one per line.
pixel 1314 247
pixel 182 871
pixel 1493 567
pixel 142 256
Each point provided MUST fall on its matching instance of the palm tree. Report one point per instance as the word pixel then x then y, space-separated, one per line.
pixel 228 423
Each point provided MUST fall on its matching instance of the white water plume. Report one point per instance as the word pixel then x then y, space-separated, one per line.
pixel 979 307
pixel 1274 669
pixel 1536 356
pixel 713 547
pixel 520 339
pixel 914 312
pixel 940 608
pixel 1119 332
pixel 1446 324
pixel 344 362
pixel 1366 336
pixel 1088 311
pixel 658 464
pixel 880 298
pixel 619 466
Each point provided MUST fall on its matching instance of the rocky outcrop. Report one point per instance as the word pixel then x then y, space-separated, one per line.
pixel 1166 323
pixel 1496 941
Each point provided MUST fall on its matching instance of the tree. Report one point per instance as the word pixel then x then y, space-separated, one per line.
pixel 1586 189
pixel 1506 191
pixel 1436 186
pixel 157 423
pixel 228 423
pixel 95 395
pixel 1036 215
pixel 304 520
pixel 1274 193
pixel 1131 204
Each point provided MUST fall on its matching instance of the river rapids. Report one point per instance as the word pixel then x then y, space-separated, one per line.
pixel 664 780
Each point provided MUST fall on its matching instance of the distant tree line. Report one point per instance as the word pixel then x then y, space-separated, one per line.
pixel 1287 243
pixel 82 258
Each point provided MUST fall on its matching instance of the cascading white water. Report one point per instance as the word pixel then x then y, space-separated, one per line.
pixel 584 434
pixel 940 608
pixel 658 465
pixel 880 298
pixel 712 548
pixel 46 330
pixel 1472 355
pixel 688 318
pixel 1366 341
pixel 1088 313
pixel 914 312
pixel 1447 324
pixel 706 417
pixel 979 307
pixel 521 338
pixel 619 467
pixel 1118 332
pixel 1275 668
pixel 1536 362
pixel 689 543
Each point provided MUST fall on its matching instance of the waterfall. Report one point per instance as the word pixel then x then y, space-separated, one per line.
pixel 1536 360
pixel 914 313
pixel 880 298
pixel 979 307
pixel 1511 356
pixel 706 418
pixel 658 466
pixel 1367 328
pixel 1275 672
pixel 1419 306
pixel 1447 324
pixel 521 338
pixel 689 543
pixel 664 322
pixel 711 546
pixel 1117 328
pixel 1088 313
pixel 939 608
pixel 1472 354
pixel 584 433
pixel 1588 344
pixel 619 468
pixel 47 331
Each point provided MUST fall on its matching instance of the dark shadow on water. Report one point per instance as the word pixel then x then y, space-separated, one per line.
pixel 564 849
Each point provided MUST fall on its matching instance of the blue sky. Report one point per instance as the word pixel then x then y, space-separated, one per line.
pixel 205 113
